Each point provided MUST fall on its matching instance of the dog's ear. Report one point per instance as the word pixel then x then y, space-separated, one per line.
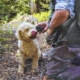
pixel 18 34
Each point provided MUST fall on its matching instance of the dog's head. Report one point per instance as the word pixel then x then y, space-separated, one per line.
pixel 26 31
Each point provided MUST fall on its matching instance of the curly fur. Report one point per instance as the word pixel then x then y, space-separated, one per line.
pixel 27 47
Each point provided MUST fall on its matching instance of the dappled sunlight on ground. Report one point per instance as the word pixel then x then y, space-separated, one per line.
pixel 8 64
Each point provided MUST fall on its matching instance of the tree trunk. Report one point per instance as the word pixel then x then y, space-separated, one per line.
pixel 33 6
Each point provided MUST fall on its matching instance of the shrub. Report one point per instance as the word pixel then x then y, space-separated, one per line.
pixel 43 16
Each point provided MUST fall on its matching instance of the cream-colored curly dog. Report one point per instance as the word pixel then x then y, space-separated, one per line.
pixel 28 46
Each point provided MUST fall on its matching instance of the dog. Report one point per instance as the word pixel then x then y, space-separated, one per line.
pixel 28 46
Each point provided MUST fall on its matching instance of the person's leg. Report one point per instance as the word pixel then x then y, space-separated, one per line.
pixel 59 17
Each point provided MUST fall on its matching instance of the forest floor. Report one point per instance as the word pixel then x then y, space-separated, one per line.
pixel 8 64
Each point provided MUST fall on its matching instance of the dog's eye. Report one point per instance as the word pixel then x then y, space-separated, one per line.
pixel 27 29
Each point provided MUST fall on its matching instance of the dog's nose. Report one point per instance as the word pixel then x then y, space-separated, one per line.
pixel 34 33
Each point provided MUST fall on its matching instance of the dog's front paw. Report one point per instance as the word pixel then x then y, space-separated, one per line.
pixel 20 71
pixel 35 71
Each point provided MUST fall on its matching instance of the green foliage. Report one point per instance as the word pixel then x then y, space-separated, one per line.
pixel 10 8
pixel 4 34
pixel 43 16
pixel 6 37
pixel 44 5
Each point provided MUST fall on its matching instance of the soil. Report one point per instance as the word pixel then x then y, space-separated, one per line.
pixel 8 64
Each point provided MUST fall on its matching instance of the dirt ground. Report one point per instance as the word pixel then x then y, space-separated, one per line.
pixel 8 64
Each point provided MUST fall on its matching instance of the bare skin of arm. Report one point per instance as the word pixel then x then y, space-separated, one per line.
pixel 59 17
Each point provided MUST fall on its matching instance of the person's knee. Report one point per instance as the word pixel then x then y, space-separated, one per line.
pixel 62 76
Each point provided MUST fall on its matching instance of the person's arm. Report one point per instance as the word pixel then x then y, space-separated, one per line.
pixel 61 14
pixel 59 17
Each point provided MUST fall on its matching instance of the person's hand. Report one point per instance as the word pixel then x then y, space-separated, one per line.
pixel 42 27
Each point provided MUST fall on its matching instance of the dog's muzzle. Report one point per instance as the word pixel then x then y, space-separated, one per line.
pixel 33 34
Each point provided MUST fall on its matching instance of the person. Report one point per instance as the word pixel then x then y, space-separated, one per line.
pixel 63 9
pixel 66 47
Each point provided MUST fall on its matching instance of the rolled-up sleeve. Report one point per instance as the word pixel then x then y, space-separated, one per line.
pixel 66 4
